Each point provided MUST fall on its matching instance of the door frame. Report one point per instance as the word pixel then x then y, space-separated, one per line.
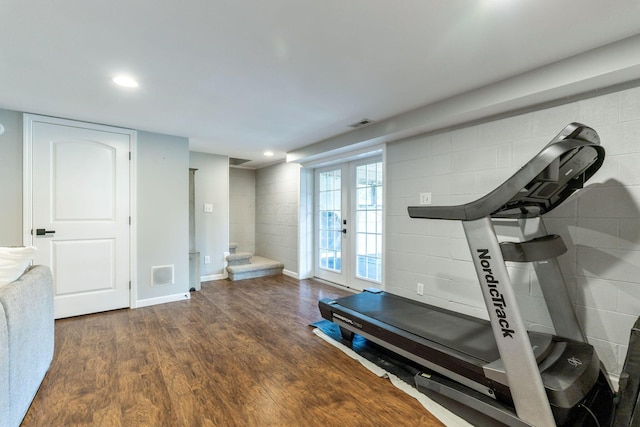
pixel 355 281
pixel 27 185
pixel 309 227
pixel 342 277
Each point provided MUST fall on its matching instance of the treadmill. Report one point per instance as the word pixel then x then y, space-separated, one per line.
pixel 496 370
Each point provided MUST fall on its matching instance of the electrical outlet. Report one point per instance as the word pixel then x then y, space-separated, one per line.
pixel 207 259
pixel 425 198
pixel 207 208
pixel 420 289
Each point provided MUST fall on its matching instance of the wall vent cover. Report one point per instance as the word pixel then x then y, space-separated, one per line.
pixel 237 162
pixel 361 123
pixel 162 275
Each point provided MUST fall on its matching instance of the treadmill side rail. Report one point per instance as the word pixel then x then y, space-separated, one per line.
pixel 525 383
pixel 484 411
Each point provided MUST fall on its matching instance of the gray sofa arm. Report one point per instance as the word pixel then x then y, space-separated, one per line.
pixel 4 368
pixel 28 307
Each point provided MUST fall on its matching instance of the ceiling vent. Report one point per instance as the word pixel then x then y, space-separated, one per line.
pixel 237 162
pixel 361 123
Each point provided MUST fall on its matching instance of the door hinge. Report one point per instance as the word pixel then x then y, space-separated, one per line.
pixel 129 284
pixel 129 220
pixel 129 155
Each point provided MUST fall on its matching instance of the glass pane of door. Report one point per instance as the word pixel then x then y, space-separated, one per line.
pixel 368 222
pixel 329 250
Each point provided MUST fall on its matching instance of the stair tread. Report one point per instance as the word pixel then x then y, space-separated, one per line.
pixel 257 263
pixel 239 256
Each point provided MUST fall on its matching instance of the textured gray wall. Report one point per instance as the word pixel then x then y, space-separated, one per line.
pixel 277 199
pixel 600 224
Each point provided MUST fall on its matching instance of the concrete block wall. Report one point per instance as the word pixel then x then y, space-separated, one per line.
pixel 242 209
pixel 277 197
pixel 601 226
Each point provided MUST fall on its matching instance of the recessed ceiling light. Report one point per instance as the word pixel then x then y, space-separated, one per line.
pixel 125 81
pixel 268 153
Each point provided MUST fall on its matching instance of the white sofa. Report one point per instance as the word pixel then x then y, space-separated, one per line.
pixel 26 341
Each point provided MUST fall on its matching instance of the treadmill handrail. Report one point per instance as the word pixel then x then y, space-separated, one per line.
pixel 542 168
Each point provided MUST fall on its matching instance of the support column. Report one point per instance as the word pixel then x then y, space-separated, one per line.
pixel 523 375
pixel 553 286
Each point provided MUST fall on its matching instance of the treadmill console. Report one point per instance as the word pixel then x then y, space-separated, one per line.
pixel 554 174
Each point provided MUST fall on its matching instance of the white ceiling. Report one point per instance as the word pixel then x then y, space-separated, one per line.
pixel 239 77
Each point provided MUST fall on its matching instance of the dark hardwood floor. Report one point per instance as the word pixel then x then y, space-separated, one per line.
pixel 236 354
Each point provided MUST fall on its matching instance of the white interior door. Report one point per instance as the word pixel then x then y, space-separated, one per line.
pixel 79 179
pixel 349 223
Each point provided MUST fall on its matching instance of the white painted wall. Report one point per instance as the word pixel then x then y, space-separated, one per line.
pixel 162 221
pixel 212 228
pixel 601 226
pixel 277 196
pixel 11 179
pixel 242 209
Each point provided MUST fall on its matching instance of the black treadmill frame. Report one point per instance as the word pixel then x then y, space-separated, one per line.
pixel 553 175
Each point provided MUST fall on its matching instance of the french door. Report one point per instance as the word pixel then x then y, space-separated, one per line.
pixel 348 223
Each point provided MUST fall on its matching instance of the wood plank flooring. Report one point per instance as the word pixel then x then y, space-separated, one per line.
pixel 236 354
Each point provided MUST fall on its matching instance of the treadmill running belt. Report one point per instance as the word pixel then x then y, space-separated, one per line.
pixel 463 334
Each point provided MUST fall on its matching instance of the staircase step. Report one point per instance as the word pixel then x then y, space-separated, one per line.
pixel 259 267
pixel 233 247
pixel 239 258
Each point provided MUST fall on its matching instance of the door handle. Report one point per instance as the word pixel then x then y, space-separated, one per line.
pixel 344 231
pixel 43 232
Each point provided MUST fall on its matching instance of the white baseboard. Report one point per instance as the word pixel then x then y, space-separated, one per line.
pixel 161 300
pixel 225 276
pixel 213 277
pixel 290 273
pixel 219 276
